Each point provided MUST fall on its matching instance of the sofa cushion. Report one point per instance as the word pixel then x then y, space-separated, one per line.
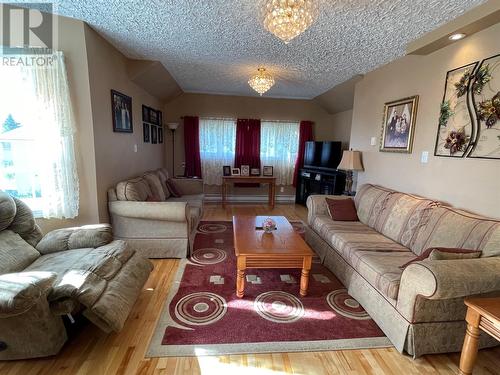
pixel 163 176
pixel 381 269
pixel 402 217
pixel 452 228
pixel 7 210
pixel 173 189
pixel 342 209
pixel 136 189
pixel 155 186
pixel 15 253
pixel 370 200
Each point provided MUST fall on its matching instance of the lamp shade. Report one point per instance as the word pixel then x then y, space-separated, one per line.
pixel 351 161
pixel 173 125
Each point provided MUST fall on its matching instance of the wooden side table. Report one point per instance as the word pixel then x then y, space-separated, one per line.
pixel 482 314
pixel 271 181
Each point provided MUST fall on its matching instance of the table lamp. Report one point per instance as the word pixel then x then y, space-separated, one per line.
pixel 351 161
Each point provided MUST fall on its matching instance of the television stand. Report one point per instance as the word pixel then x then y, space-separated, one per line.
pixel 315 181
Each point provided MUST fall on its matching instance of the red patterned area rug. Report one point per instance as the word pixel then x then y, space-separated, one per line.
pixel 203 316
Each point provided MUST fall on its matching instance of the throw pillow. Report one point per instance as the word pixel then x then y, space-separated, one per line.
pixel 342 209
pixel 444 253
pixel 174 190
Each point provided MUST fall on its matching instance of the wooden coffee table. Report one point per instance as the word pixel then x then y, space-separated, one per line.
pixel 283 248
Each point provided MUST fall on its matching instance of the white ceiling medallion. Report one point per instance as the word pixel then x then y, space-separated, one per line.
pixel 289 18
pixel 261 82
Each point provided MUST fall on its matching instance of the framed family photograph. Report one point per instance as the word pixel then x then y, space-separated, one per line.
pixel 255 172
pixel 226 170
pixel 398 125
pixel 267 170
pixel 245 170
pixel 154 134
pixel 235 172
pixel 121 108
pixel 160 134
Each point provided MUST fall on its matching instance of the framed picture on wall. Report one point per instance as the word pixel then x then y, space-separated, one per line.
pixel 154 134
pixel 398 125
pixel 160 134
pixel 145 113
pixel 146 132
pixel 121 109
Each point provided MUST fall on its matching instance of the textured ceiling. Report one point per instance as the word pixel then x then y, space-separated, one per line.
pixel 213 46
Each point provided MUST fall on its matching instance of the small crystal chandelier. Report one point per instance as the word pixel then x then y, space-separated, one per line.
pixel 289 18
pixel 261 82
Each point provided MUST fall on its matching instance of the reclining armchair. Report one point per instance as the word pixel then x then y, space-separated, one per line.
pixel 67 271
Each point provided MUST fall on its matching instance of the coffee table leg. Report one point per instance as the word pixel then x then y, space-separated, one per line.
pixel 471 343
pixel 240 277
pixel 304 276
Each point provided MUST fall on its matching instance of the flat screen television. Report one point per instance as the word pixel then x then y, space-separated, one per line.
pixel 322 155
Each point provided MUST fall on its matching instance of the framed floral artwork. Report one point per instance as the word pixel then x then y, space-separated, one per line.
pixel 398 125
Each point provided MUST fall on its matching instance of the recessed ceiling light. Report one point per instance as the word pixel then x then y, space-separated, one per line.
pixel 457 36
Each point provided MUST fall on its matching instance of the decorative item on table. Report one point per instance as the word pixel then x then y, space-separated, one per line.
pixel 226 170
pixel 235 172
pixel 154 134
pixel 398 126
pixel 254 171
pixel 351 161
pixel 146 132
pixel 121 108
pixel 267 170
pixel 268 225
pixel 245 170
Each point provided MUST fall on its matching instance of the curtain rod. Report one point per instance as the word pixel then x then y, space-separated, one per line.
pixel 234 119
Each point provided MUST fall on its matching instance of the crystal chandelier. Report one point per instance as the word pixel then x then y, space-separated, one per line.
pixel 261 82
pixel 289 18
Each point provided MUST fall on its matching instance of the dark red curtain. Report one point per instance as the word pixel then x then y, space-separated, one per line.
pixel 247 145
pixel 305 135
pixel 192 146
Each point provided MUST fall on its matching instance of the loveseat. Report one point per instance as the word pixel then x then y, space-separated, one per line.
pixel 145 213
pixel 67 271
pixel 419 307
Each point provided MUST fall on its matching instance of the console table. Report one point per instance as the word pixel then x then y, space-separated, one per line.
pixel 271 181
pixel 482 314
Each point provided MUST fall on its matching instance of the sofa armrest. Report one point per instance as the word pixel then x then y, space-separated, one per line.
pixel 189 186
pixel 164 211
pixel 87 236
pixel 447 279
pixel 21 291
pixel 316 205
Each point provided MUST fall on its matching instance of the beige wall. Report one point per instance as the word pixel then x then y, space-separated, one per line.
pixel 242 107
pixel 342 122
pixel 471 184
pixel 72 43
pixel 114 152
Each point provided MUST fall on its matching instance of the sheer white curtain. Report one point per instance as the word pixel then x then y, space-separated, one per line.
pixel 47 123
pixel 279 145
pixel 217 147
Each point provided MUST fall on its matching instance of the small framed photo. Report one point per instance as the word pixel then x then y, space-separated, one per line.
pixel 235 172
pixel 398 127
pixel 153 116
pixel 255 172
pixel 160 134
pixel 267 170
pixel 146 132
pixel 145 113
pixel 154 134
pixel 160 118
pixel 245 170
pixel 121 108
pixel 226 170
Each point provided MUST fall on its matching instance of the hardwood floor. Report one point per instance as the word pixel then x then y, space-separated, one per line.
pixel 93 352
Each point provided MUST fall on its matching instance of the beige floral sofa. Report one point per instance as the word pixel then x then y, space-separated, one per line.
pixel 67 271
pixel 420 308
pixel 144 213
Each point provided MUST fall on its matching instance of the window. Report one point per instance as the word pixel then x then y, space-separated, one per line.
pixel 217 147
pixel 37 162
pixel 279 145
